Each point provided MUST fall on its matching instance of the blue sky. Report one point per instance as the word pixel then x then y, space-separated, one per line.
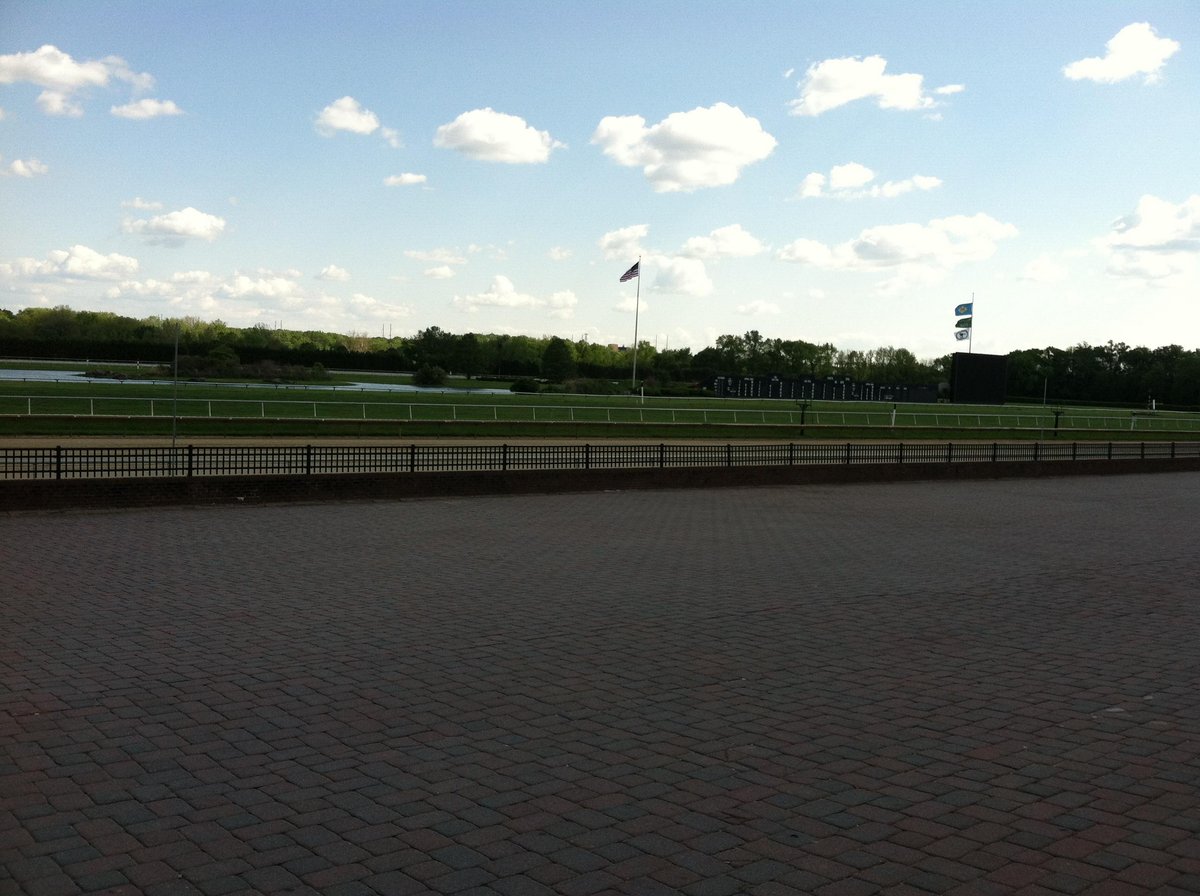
pixel 835 172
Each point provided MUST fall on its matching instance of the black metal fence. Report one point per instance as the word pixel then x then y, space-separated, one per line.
pixel 312 460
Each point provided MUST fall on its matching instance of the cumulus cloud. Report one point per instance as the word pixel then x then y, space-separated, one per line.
pixel 686 151
pixel 146 108
pixel 333 273
pixel 911 253
pixel 624 243
pixel 441 272
pixel 406 179
pixel 853 181
pixel 496 137
pixel 503 294
pixel 346 114
pixel 724 242
pixel 175 227
pixel 558 253
pixel 678 275
pixel 1134 50
pixel 759 307
pixel 25 168
pixel 836 82
pixel 63 78
pixel 1157 241
pixel 371 307
pixel 142 204
pixel 76 263
pixel 436 256
pixel 1044 269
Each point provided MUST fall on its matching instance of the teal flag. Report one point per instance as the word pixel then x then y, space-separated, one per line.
pixel 964 308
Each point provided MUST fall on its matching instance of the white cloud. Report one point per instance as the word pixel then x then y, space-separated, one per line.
pixel 334 273
pixel 849 176
pixel 62 77
pixel 949 89
pixel 850 181
pixel 1158 241
pixel 501 294
pixel 175 227
pixel 562 304
pixel 812 186
pixel 392 137
pixel 262 284
pixel 913 253
pixel 346 114
pixel 1045 269
pixel 441 272
pixel 26 168
pixel 404 180
pixel 371 307
pixel 724 242
pixel 836 82
pixel 496 137
pixel 142 204
pixel 437 256
pixel 1135 50
pixel 76 263
pixel 146 108
pixel 558 253
pixel 686 151
pixel 625 243
pixel 759 307
pixel 677 275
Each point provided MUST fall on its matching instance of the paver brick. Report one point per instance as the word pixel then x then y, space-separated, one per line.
pixel 780 690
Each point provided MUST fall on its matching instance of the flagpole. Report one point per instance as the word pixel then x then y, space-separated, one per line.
pixel 637 307
pixel 971 338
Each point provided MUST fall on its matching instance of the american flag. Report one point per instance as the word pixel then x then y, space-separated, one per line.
pixel 631 273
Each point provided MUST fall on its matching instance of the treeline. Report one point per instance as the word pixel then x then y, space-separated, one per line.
pixel 1110 374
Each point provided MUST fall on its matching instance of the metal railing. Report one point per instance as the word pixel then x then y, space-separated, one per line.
pixel 383 410
pixel 63 462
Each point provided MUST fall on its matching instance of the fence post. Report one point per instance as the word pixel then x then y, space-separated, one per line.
pixel 308 460
pixel 58 461
pixel 1036 448
pixel 995 451
pixel 847 445
pixel 412 457
pixel 504 457
pixel 662 455
pixel 949 452
pixel 1110 450
pixel 587 457
pixel 1143 451
pixel 191 460
pixel 1172 450
pixel 900 453
pixel 728 455
pixel 1074 450
pixel 791 454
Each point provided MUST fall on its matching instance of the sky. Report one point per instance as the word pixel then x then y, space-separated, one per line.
pixel 844 172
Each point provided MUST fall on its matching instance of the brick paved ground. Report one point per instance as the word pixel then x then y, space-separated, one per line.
pixel 977 687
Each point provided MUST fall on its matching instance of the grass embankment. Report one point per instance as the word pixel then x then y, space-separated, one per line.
pixel 85 407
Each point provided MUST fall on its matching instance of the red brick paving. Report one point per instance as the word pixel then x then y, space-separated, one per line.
pixel 976 687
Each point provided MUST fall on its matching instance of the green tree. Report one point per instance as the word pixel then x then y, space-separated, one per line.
pixel 558 363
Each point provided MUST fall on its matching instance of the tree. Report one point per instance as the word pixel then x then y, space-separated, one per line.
pixel 558 364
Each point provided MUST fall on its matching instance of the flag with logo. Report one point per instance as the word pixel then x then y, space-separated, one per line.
pixel 632 272
pixel 960 335
pixel 964 308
